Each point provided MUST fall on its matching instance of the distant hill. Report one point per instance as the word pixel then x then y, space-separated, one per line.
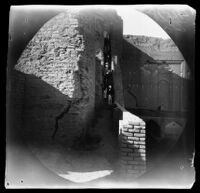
pixel 157 48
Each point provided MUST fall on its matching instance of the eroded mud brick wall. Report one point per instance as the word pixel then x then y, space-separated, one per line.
pixel 59 65
pixel 154 74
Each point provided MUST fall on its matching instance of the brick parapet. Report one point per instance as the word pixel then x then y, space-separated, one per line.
pixel 132 142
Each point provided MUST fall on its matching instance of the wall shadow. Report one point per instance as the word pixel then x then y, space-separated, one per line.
pixel 154 145
pixel 151 84
pixel 38 106
pixel 134 81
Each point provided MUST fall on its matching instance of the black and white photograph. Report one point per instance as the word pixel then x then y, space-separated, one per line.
pixel 100 96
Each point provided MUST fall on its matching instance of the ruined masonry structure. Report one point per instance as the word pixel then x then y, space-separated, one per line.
pixel 132 144
pixel 62 64
pixel 159 76
pixel 61 68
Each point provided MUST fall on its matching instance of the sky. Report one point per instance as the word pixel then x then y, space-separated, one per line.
pixel 137 23
pixel 134 22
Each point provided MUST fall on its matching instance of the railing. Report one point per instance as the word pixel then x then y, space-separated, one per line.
pixel 120 106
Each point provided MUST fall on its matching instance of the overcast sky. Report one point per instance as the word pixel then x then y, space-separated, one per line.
pixel 137 23
pixel 134 22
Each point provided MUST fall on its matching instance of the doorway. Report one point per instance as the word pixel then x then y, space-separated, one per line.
pixel 108 89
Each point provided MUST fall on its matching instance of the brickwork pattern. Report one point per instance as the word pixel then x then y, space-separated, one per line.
pixel 132 140
pixel 59 65
pixel 149 83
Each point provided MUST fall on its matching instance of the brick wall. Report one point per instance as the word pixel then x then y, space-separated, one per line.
pixel 132 143
pixel 59 66
pixel 148 84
